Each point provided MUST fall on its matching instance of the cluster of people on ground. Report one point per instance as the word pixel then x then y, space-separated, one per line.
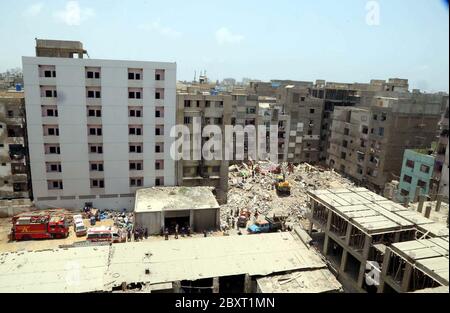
pixel 139 233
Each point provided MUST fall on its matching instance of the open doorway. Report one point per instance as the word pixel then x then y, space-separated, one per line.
pixel 232 284
pixel 171 222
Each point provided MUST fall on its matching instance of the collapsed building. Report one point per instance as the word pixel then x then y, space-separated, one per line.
pixel 199 265
pixel 354 228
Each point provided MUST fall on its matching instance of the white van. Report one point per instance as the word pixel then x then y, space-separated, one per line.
pixel 79 228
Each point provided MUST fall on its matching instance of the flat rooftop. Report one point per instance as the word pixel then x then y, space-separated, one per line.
pixel 427 255
pixel 364 209
pixel 100 268
pixel 157 199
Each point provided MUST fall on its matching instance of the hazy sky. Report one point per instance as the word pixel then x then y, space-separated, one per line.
pixel 283 39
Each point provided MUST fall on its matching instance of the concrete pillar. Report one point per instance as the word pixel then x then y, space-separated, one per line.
pixel 191 219
pixel 428 211
pixel 397 237
pixel 325 244
pixel 365 255
pixel 176 285
pixel 248 284
pixel 422 199
pixel 407 275
pixel 327 230
pixel 417 194
pixel 216 285
pixel 406 201
pixel 438 202
pixel 343 261
pixel 348 234
pixel 384 268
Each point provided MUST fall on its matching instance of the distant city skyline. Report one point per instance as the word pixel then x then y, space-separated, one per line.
pixel 351 41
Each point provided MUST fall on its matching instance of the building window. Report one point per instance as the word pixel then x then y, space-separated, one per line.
pixel 98 149
pixel 159 181
pixel 311 111
pixel 410 163
pixel 51 130
pixel 135 130
pixel 160 74
pixel 375 117
pixel 187 120
pixel 134 112
pixel 135 74
pixel 53 167
pixel 422 184
pixel 135 148
pixel 159 164
pixel 52 149
pixel 345 143
pixel 97 183
pixel 51 112
pixel 343 155
pixel 94 94
pixel 383 116
pixel 404 192
pixel 159 148
pixel 94 112
pixel 346 131
pixel 55 184
pixel 159 111
pixel 159 130
pixel 424 168
pixel 95 131
pixel 136 165
pixel 207 104
pixel 365 130
pixel 49 73
pixel 407 179
pixel 50 93
pixel 381 131
pixel 187 103
pixel 136 182
pixel 92 75
pixel 96 167
pixel 135 93
pixel 159 93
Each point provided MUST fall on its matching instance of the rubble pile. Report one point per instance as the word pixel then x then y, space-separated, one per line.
pixel 251 186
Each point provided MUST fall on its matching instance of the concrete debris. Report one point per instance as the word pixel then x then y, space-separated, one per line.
pixel 251 186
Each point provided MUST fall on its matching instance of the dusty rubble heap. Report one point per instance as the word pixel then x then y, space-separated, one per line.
pixel 251 186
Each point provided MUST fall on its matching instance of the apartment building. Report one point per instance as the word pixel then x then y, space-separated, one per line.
pixel 14 173
pixel 416 175
pixel 441 168
pixel 97 129
pixel 245 111
pixel 368 143
pixel 301 141
pixel 356 94
pixel 210 110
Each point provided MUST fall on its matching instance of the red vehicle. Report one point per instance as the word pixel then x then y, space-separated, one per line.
pixel 39 225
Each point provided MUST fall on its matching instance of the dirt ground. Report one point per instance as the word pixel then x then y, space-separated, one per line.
pixel 41 244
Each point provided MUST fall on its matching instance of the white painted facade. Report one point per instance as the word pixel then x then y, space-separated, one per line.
pixel 73 121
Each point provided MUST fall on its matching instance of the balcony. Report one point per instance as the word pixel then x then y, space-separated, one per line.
pixel 48 101
pixel 93 82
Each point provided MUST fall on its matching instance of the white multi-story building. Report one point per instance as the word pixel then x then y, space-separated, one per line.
pixel 98 129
